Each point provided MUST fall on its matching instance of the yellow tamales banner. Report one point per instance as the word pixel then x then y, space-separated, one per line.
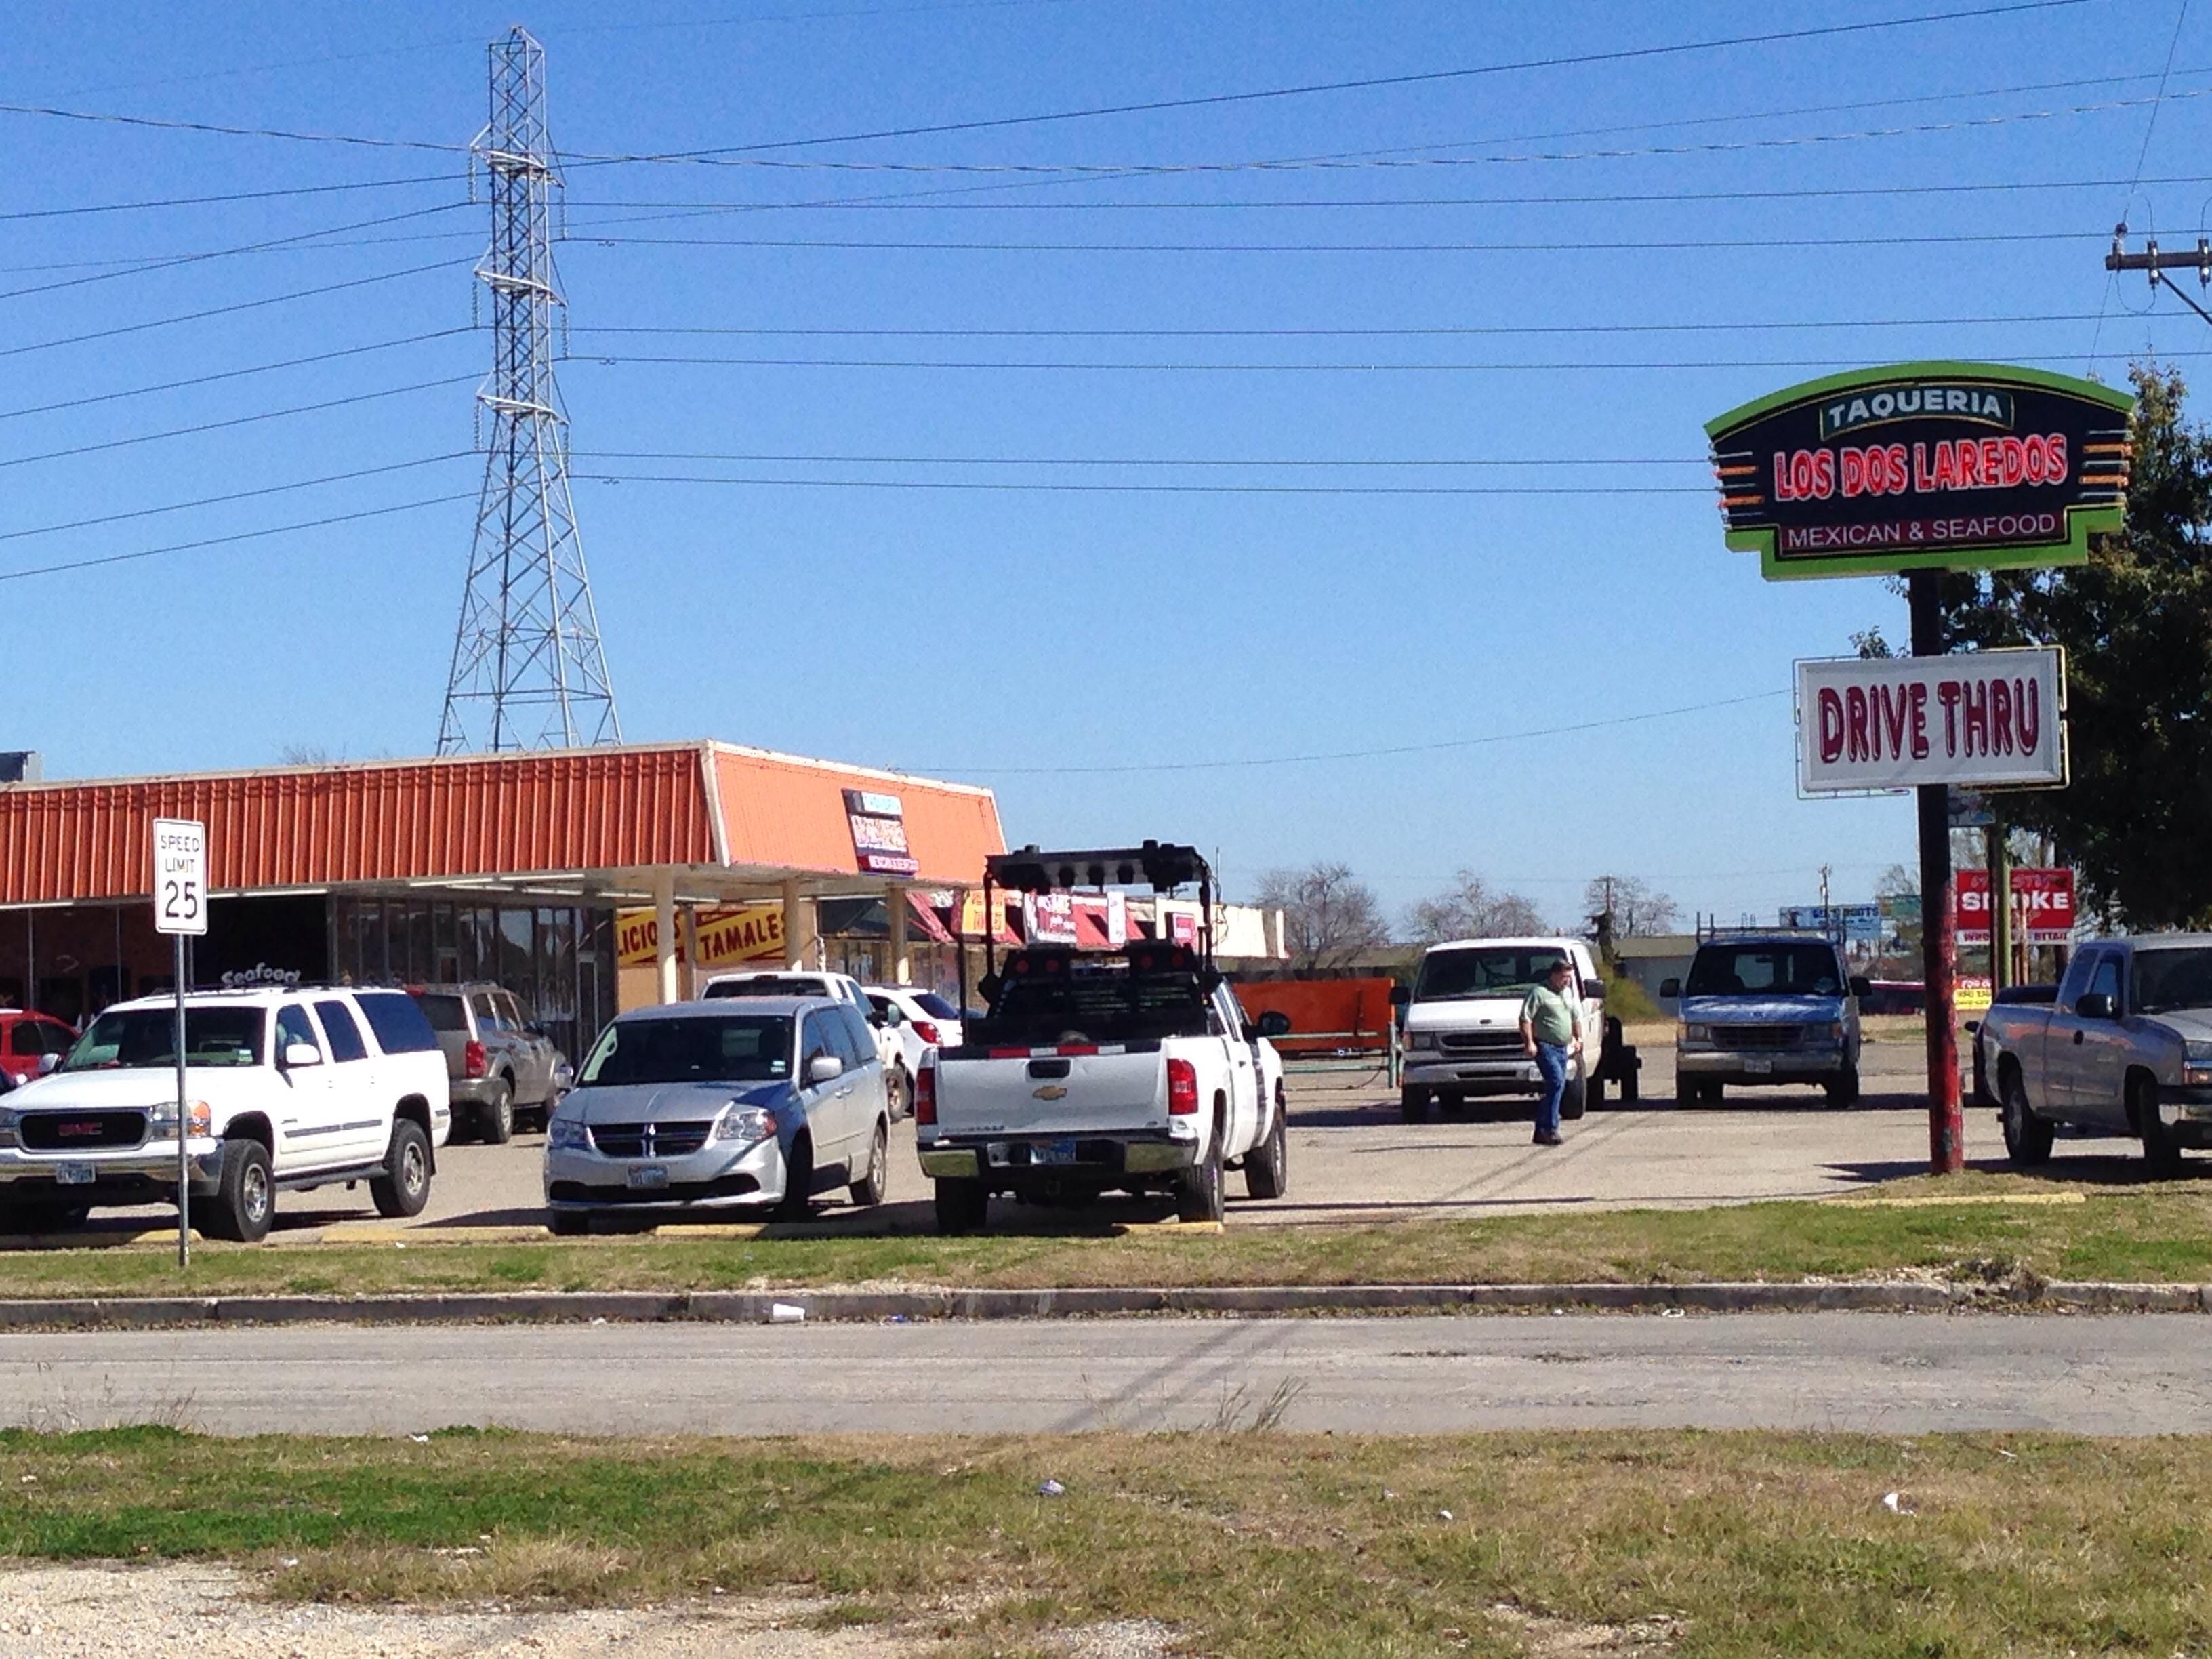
pixel 752 932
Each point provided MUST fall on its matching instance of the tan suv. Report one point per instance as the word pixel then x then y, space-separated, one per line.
pixel 500 1065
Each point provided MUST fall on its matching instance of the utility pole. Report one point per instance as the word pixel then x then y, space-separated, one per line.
pixel 1939 941
pixel 2152 260
pixel 1997 838
pixel 528 672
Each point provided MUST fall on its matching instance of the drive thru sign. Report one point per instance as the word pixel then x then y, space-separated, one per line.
pixel 180 908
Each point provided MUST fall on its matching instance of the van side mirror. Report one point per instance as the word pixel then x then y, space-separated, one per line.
pixel 1400 995
pixel 47 1063
pixel 824 1068
pixel 1595 989
pixel 1274 1022
pixel 1861 986
pixel 1670 989
pixel 2095 1004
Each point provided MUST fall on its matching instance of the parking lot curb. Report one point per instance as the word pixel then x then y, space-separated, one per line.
pixel 761 1307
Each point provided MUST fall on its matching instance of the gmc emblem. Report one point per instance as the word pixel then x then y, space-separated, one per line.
pixel 66 1130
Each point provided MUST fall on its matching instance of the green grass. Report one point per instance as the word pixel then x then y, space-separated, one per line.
pixel 1248 1544
pixel 2159 1232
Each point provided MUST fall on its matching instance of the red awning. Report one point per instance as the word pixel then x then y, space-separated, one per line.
pixel 922 914
pixel 1090 925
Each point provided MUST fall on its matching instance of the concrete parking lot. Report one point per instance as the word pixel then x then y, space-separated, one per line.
pixel 1352 1157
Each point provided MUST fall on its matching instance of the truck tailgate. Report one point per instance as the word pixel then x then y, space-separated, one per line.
pixel 1051 1091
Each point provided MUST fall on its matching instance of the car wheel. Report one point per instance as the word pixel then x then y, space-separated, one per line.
pixel 868 1190
pixel 1268 1166
pixel 1412 1104
pixel 1574 1099
pixel 495 1122
pixel 962 1207
pixel 798 1201
pixel 2161 1150
pixel 404 1187
pixel 245 1197
pixel 567 1224
pixel 898 1093
pixel 2027 1138
pixel 1845 1089
pixel 1199 1196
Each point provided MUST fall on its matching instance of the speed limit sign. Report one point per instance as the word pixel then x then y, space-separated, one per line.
pixel 179 876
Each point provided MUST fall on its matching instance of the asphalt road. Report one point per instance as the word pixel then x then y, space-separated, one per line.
pixel 1352 1157
pixel 1899 1374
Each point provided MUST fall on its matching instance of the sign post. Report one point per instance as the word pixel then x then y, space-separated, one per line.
pixel 180 911
pixel 1915 470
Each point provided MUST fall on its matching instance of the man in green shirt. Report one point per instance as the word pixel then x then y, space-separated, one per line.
pixel 1548 1036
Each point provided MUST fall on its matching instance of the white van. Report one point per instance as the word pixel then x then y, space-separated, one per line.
pixel 1463 1022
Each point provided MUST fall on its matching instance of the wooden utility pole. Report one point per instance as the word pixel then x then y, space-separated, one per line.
pixel 1939 944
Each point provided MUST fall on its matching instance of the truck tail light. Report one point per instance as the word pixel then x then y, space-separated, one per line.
pixel 925 1098
pixel 1182 1088
pixel 473 1060
pixel 926 1031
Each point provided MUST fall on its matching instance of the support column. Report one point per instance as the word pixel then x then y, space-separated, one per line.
pixel 664 936
pixel 799 941
pixel 687 923
pixel 1939 945
pixel 902 958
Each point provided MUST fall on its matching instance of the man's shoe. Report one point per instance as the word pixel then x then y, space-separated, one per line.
pixel 1550 1141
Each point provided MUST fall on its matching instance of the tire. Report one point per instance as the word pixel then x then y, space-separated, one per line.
pixel 2161 1151
pixel 1574 1099
pixel 1199 1194
pixel 567 1224
pixel 1412 1104
pixel 495 1123
pixel 404 1187
pixel 2027 1138
pixel 1844 1090
pixel 898 1091
pixel 1268 1166
pixel 797 1203
pixel 962 1207
pixel 245 1197
pixel 1629 1087
pixel 868 1191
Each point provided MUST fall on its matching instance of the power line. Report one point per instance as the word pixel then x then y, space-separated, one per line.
pixel 1076 366
pixel 229 374
pixel 225 541
pixel 234 495
pixel 225 311
pixel 1433 331
pixel 237 420
pixel 218 129
pixel 1360 754
pixel 1679 244
pixel 223 199
pixel 2143 154
pixel 786 459
pixel 171 262
pixel 1427 77
pixel 1031 487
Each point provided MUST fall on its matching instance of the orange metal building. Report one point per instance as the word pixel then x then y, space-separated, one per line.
pixel 507 866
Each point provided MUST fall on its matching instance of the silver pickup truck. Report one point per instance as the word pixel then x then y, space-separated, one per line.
pixel 2126 1049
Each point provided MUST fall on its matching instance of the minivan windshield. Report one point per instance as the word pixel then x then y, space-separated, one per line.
pixel 1769 970
pixel 695 1049
pixel 1490 970
pixel 2169 981
pixel 124 1038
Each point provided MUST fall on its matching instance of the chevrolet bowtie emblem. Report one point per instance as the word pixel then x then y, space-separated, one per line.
pixel 1052 1092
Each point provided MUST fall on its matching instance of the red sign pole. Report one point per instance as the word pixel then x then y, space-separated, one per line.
pixel 1939 947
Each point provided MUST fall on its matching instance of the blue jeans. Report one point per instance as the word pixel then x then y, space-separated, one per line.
pixel 1552 1065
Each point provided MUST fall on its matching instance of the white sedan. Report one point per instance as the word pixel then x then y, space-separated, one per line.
pixel 909 1023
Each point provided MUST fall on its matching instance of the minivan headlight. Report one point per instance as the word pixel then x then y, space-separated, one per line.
pixel 567 1135
pixel 744 1124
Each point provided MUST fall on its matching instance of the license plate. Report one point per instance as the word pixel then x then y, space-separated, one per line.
pixel 1757 1067
pixel 76 1174
pixel 1053 1152
pixel 649 1177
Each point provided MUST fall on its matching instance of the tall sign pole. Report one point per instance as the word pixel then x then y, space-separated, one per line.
pixel 1915 470
pixel 180 911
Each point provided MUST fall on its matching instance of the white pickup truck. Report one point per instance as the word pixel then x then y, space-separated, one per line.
pixel 1132 1072
pixel 2125 1049
pixel 294 1088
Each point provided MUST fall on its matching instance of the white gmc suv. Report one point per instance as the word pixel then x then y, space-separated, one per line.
pixel 287 1088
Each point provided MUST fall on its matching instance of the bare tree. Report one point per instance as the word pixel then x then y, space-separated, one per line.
pixel 1472 908
pixel 1330 915
pixel 1637 909
pixel 306 754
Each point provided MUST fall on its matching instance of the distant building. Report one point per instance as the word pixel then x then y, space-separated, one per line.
pixel 1652 959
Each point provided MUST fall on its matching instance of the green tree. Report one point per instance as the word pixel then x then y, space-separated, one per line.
pixel 2136 624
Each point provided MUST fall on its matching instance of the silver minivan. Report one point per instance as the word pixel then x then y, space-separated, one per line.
pixel 751 1102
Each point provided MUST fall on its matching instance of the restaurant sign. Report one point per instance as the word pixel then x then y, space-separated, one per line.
pixel 1923 466
pixel 879 825
pixel 1986 720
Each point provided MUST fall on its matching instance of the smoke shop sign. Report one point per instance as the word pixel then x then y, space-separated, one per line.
pixel 1923 466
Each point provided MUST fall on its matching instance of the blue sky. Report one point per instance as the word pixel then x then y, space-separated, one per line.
pixel 1002 635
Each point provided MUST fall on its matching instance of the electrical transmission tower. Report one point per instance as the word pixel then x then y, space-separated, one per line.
pixel 528 671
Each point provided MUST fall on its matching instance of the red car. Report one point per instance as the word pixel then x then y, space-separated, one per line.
pixel 25 1038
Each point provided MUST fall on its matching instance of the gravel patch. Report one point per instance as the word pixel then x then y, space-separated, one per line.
pixel 193 1611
